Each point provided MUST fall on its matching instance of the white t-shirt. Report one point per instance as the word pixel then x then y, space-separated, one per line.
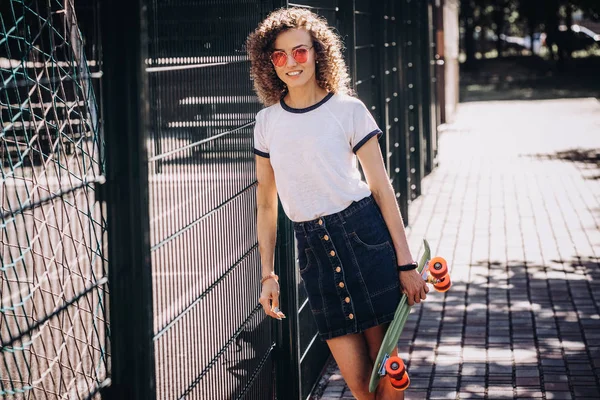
pixel 312 152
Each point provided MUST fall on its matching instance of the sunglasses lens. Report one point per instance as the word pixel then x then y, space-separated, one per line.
pixel 300 55
pixel 279 58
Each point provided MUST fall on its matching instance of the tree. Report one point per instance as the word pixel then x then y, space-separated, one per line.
pixel 591 8
pixel 529 12
pixel 500 8
pixel 467 8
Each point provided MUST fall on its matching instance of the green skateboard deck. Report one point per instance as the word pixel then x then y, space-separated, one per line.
pixel 395 329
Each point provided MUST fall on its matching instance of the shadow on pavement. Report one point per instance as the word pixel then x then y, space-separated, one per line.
pixel 538 324
pixel 588 158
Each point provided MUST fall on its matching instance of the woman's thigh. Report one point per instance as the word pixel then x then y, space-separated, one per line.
pixel 352 356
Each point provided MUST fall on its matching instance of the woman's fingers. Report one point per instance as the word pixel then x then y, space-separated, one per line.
pixel 424 292
pixel 265 303
pixel 414 288
pixel 270 303
pixel 417 298
pixel 276 311
pixel 410 299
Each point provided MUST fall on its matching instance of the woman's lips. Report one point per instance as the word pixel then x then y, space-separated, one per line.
pixel 295 75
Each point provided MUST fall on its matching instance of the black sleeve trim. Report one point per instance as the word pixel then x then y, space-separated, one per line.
pixel 260 153
pixel 360 144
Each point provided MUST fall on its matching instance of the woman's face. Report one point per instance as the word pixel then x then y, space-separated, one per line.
pixel 293 73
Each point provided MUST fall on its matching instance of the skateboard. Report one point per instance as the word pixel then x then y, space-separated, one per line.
pixel 434 271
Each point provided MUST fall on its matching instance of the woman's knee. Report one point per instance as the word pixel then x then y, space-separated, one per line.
pixel 360 388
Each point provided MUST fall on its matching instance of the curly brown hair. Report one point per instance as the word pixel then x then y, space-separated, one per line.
pixel 331 71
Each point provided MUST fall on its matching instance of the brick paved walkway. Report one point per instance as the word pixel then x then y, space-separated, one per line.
pixel 514 206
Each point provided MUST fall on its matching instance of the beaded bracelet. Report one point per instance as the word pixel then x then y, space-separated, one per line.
pixel 271 276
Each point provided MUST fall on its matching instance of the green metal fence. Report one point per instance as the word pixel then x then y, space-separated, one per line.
pixel 53 329
pixel 171 200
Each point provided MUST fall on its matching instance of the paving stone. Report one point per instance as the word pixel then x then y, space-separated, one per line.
pixel 471 395
pixel 528 393
pixel 550 386
pixel 554 395
pixel 500 369
pixel 477 380
pixel 474 369
pixel 447 369
pixel 555 378
pixel 415 395
pixel 416 383
pixel 581 379
pixel 442 394
pixel 445 381
pixel 333 390
pixel 527 372
pixel 501 394
pixel 528 381
pixel 591 391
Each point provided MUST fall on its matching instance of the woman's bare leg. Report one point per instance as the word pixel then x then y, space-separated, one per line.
pixel 352 356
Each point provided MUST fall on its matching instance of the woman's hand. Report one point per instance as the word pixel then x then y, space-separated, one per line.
pixel 269 298
pixel 413 286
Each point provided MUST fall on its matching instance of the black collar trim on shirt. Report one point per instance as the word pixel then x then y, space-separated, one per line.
pixel 307 109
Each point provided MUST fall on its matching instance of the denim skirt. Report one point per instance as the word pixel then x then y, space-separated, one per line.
pixel 348 265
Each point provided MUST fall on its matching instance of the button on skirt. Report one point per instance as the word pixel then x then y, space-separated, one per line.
pixel 348 265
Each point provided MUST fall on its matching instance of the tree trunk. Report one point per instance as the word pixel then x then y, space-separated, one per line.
pixel 469 24
pixel 568 48
pixel 499 21
pixel 532 23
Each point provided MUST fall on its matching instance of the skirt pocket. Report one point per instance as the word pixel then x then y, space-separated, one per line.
pixel 308 261
pixel 376 265
pixel 309 272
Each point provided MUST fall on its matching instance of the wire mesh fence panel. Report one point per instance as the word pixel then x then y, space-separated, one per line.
pixel 413 87
pixel 212 339
pixel 393 121
pixel 53 330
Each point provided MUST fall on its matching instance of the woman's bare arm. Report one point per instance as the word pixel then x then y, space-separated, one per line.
pixel 372 164
pixel 266 201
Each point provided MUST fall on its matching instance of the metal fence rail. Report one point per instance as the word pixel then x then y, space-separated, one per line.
pixel 53 330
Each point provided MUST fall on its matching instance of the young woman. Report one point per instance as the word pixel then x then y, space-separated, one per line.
pixel 352 247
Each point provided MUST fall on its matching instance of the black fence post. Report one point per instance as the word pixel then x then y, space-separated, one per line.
pixel 427 76
pixel 380 69
pixel 347 28
pixel 406 108
pixel 417 128
pixel 288 354
pixel 125 124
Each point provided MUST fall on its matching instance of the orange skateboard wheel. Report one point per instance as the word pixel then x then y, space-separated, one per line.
pixel 400 384
pixel 444 284
pixel 395 368
pixel 438 267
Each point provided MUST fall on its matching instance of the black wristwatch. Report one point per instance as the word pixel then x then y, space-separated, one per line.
pixel 407 267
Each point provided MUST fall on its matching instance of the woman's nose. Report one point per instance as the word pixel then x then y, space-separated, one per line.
pixel 291 61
